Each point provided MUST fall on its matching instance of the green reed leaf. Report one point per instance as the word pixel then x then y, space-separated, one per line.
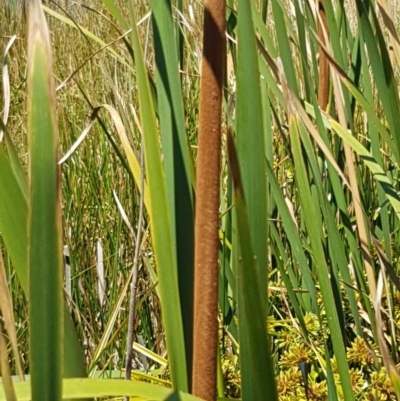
pixel 177 161
pixel 256 363
pixel 45 233
pixel 161 229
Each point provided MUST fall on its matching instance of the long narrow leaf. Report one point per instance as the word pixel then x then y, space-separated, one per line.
pixel 85 388
pixel 45 250
pixel 162 234
pixel 176 158
pixel 257 372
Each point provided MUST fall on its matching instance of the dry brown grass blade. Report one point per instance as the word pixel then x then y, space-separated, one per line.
pixel 6 310
pixel 124 216
pixel 5 369
pixel 81 137
pixel 6 84
pixel 207 203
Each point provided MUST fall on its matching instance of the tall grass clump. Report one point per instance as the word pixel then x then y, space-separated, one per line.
pixel 201 199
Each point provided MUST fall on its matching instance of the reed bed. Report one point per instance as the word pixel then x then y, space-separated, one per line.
pixel 305 234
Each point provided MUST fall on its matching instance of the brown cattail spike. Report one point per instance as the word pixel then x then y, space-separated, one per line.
pixel 207 203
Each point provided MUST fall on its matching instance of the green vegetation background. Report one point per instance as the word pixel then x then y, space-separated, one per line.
pixel 324 227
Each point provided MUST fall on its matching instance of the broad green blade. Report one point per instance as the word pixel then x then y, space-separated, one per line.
pixel 45 233
pixel 13 219
pixel 176 159
pixel 15 162
pixel 161 228
pixel 90 388
pixel 255 359
pixel 250 141
pixel 253 219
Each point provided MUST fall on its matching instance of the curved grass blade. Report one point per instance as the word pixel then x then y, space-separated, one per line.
pixel 150 354
pixel 88 34
pixel 6 310
pixel 130 155
pixel 85 62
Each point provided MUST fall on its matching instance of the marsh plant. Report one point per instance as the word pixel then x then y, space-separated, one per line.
pixel 201 198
